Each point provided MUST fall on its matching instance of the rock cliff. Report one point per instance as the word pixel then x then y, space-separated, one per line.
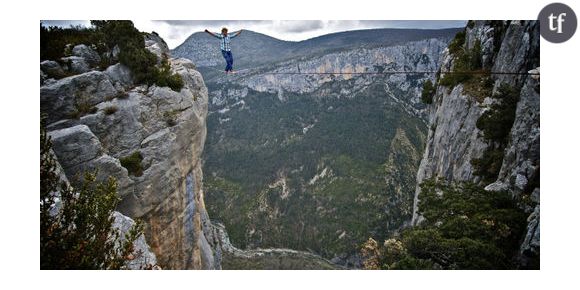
pixel 454 139
pixel 101 120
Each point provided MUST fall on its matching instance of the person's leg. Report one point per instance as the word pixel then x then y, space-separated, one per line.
pixel 231 61
pixel 225 55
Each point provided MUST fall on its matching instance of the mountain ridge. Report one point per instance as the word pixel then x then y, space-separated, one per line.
pixel 253 49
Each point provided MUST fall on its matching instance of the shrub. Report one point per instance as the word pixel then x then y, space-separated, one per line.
pixel 496 124
pixel 466 62
pixel 489 164
pixel 122 94
pixel 475 56
pixel 82 107
pixel 80 235
pixel 428 92
pixel 55 41
pixel 170 118
pixel 133 163
pixel 110 110
pixel 167 79
pixel 465 227
pixel 134 55
pixel 470 24
pixel 456 44
pixel 105 35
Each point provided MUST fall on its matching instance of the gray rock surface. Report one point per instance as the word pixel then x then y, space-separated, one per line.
pixel 168 129
pixel 120 75
pixel 454 140
pixel 90 56
pixel 61 99
pixel 79 150
pixel 51 69
pixel 521 162
pixel 76 65
pixel 156 45
pixel 421 55
pixel 142 257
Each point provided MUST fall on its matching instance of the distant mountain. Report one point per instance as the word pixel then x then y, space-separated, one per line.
pixel 253 49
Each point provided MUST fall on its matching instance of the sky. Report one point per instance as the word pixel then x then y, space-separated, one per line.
pixel 174 32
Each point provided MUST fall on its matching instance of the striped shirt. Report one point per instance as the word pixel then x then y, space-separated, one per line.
pixel 225 40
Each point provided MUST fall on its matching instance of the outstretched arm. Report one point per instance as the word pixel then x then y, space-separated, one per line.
pixel 213 34
pixel 235 33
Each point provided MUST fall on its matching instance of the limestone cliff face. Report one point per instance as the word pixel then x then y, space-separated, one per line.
pixel 454 140
pixel 366 64
pixel 168 130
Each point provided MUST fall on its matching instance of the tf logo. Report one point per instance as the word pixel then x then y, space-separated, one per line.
pixel 557 22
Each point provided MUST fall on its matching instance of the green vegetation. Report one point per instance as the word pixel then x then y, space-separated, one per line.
pixel 428 92
pixel 466 61
pixel 133 163
pixel 456 45
pixel 54 41
pixel 80 235
pixel 111 110
pixel 470 24
pixel 465 227
pixel 496 124
pixel 104 35
pixel 82 107
pixel 167 79
pixel 359 141
pixel 499 29
pixel 275 261
pixel 170 118
pixel 468 70
pixel 134 55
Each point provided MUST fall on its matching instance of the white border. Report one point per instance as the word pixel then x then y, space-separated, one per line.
pixel 19 147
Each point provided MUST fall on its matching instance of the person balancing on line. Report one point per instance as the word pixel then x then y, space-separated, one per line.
pixel 225 38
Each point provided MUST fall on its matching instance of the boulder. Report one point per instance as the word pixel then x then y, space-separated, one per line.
pixel 120 74
pixel 142 257
pixel 78 150
pixel 75 145
pixel 90 56
pixel 76 64
pixel 62 99
pixel 156 45
pixel 51 69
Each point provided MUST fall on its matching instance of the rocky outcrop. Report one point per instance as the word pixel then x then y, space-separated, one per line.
pixel 266 259
pixel 454 139
pixel 359 69
pixel 114 119
pixel 79 150
pixel 156 45
pixel 86 53
pixel 51 69
pixel 142 257
pixel 64 98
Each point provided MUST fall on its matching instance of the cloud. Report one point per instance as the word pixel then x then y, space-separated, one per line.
pixel 292 26
pixel 209 22
pixel 176 31
pixel 66 23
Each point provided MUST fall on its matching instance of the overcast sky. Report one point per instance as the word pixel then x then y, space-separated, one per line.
pixel 176 31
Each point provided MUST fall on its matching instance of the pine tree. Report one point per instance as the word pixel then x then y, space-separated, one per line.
pixel 76 224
